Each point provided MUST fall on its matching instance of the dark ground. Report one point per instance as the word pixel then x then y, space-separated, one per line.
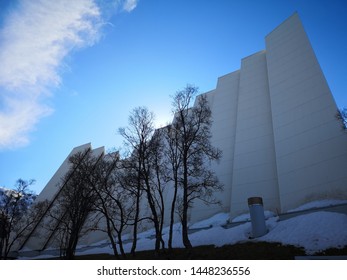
pixel 240 251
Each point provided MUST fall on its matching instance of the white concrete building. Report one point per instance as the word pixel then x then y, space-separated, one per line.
pixel 274 120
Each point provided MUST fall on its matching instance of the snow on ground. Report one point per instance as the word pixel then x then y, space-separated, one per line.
pixel 314 232
pixel 220 236
pixel 247 217
pixel 319 204
pixel 216 220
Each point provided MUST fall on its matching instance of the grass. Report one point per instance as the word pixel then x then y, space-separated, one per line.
pixel 240 251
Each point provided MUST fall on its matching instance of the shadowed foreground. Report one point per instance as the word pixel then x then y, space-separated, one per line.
pixel 241 251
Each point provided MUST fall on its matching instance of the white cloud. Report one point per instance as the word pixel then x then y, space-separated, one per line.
pixel 129 5
pixel 35 38
pixel 38 35
pixel 19 119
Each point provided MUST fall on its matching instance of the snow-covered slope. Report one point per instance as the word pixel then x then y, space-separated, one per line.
pixel 314 232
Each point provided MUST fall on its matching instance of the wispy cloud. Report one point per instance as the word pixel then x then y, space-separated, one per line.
pixel 129 5
pixel 35 38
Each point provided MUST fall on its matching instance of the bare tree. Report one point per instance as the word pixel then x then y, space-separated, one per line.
pixel 173 161
pixel 74 207
pixel 192 135
pixel 17 215
pixel 114 202
pixel 156 178
pixel 144 159
pixel 136 136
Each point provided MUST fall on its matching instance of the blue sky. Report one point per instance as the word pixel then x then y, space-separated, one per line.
pixel 71 71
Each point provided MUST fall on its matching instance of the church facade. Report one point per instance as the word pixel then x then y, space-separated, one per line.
pixel 275 121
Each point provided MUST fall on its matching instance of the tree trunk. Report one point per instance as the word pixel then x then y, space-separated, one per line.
pixel 162 213
pixel 172 214
pixel 109 233
pixel 155 218
pixel 185 237
pixel 120 241
pixel 137 212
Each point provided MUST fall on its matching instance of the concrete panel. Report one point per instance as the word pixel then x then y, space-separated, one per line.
pixel 39 238
pixel 254 160
pixel 52 186
pixel 223 105
pixel 308 141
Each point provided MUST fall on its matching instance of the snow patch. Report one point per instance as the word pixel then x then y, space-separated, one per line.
pixel 318 204
pixel 247 217
pixel 216 220
pixel 314 232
